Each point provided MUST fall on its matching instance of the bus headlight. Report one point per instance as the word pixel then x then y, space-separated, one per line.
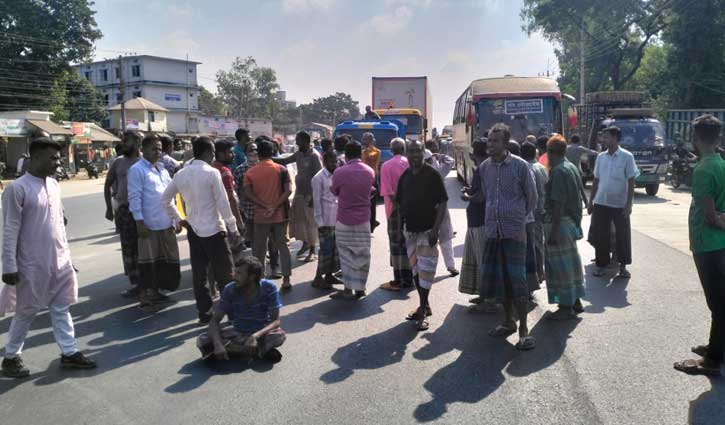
pixel 662 169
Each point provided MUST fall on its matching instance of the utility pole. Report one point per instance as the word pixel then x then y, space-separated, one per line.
pixel 581 64
pixel 122 91
pixel 188 103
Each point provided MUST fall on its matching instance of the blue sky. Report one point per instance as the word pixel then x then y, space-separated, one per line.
pixel 319 47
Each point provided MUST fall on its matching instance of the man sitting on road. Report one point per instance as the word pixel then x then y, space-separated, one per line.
pixel 252 305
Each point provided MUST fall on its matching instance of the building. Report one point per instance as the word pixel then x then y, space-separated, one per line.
pixel 18 128
pixel 225 126
pixel 141 114
pixel 281 97
pixel 169 83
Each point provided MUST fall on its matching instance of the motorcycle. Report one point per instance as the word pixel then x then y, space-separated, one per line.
pixel 61 174
pixel 682 170
pixel 92 170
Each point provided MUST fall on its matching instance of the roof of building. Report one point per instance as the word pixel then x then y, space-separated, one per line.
pixel 139 103
pixel 140 56
pixel 514 87
pixel 100 135
pixel 50 127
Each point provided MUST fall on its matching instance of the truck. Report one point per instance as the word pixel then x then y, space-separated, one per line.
pixel 384 131
pixel 406 99
pixel 642 134
pixel 679 124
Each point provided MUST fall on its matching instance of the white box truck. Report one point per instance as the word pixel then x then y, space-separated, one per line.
pixel 407 99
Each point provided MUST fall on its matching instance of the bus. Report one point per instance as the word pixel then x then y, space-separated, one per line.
pixel 528 105
pixel 415 123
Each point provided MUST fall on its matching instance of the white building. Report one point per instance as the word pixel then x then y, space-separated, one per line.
pixel 170 83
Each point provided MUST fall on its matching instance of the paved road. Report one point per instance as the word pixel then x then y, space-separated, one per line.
pixel 361 363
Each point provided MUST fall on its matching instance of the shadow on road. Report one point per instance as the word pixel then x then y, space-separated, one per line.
pixel 197 373
pixel 709 407
pixel 606 291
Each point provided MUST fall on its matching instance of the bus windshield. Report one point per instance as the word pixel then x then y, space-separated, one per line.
pixel 382 136
pixel 639 133
pixel 524 117
pixel 412 122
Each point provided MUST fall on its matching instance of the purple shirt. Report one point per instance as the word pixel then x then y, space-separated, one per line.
pixel 510 192
pixel 390 173
pixel 352 184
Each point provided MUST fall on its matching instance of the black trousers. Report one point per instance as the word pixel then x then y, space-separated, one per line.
pixel 373 209
pixel 602 219
pixel 204 251
pixel 711 268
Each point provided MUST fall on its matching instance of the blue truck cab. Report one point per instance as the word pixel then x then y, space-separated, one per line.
pixel 384 132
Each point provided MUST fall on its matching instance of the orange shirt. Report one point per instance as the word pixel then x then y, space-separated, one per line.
pixel 266 180
pixel 371 157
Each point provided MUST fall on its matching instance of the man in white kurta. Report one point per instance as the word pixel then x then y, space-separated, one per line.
pixel 37 268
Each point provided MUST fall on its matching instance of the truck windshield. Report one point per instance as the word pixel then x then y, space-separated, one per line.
pixel 640 133
pixel 382 136
pixel 535 117
pixel 412 122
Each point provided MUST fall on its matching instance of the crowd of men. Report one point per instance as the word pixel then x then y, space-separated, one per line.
pixel 524 214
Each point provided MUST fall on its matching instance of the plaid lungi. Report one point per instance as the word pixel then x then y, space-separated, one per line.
pixel 532 270
pixel 504 270
pixel 471 265
pixel 353 247
pixel 328 261
pixel 423 257
pixel 302 225
pixel 158 260
pixel 402 272
pixel 129 243
pixel 234 341
pixel 564 272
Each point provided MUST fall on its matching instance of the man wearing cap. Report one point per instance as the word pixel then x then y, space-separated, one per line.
pixel 611 202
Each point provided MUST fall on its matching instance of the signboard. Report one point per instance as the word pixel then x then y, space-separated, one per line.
pixel 399 93
pixel 81 129
pixel 131 124
pixel 171 97
pixel 523 107
pixel 12 127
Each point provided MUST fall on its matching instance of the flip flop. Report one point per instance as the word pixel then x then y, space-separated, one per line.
pixel 624 274
pixel 526 343
pixel 503 331
pixel 423 325
pixel 561 315
pixel 598 273
pixel 693 367
pixel 413 315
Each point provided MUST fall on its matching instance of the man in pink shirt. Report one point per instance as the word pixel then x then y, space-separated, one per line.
pixel 390 173
pixel 352 184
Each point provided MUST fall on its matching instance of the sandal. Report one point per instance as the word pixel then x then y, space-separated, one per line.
pixel 503 330
pixel 423 325
pixel 695 367
pixel 599 272
pixel 624 274
pixel 413 315
pixel 526 343
pixel 700 350
pixel 391 286
pixel 561 314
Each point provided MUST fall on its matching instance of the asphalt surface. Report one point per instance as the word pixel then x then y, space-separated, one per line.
pixel 355 363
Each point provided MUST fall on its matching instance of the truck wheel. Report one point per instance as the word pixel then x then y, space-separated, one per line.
pixel 652 189
pixel 675 181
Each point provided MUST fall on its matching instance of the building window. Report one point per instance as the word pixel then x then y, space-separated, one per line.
pixel 136 71
pixel 88 75
pixel 152 116
pixel 105 98
pixel 118 73
pixel 191 94
pixel 137 93
pixel 118 97
pixel 104 74
pixel 191 70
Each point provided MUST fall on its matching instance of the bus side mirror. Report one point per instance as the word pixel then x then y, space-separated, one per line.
pixel 425 123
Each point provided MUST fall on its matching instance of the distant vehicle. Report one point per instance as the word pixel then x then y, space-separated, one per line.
pixel 406 99
pixel 447 131
pixel 384 131
pixel 642 134
pixel 528 105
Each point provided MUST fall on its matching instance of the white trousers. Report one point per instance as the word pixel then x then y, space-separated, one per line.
pixel 62 329
pixel 447 251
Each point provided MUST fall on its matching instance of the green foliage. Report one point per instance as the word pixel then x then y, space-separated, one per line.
pixel 73 98
pixel 39 40
pixel 247 89
pixel 209 104
pixel 330 109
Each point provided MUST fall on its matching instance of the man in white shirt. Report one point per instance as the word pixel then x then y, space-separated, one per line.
pixel 611 202
pixel 208 218
pixel 325 205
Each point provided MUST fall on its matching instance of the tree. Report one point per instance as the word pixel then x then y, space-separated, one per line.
pixel 209 104
pixel 696 57
pixel 331 109
pixel 73 98
pixel 247 88
pixel 39 40
pixel 615 38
